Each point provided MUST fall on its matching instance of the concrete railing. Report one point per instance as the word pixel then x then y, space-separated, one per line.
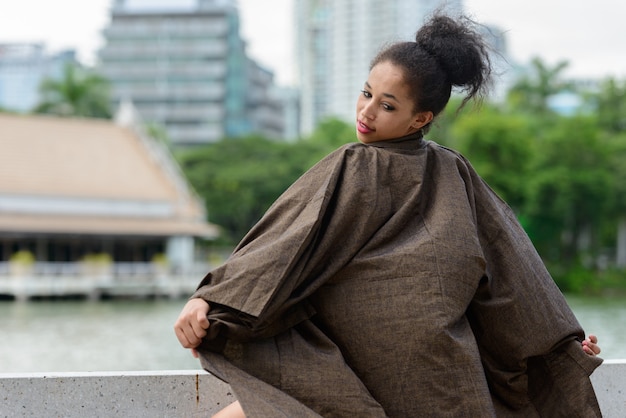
pixel 185 393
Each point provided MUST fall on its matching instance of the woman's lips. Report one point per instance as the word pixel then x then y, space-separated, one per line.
pixel 363 128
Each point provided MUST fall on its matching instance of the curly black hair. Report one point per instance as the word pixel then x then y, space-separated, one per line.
pixel 446 53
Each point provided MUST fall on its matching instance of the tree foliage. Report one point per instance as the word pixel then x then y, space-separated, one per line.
pixel 240 178
pixel 532 90
pixel 79 92
pixel 501 148
pixel 610 105
pixel 570 186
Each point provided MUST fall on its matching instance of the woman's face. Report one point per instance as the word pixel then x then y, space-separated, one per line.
pixel 384 109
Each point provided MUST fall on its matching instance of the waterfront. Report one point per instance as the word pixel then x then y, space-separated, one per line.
pixel 54 336
pixel 137 335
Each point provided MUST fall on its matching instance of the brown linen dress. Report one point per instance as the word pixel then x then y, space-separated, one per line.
pixel 390 280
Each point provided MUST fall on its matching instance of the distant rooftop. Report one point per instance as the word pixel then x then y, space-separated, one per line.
pixel 89 175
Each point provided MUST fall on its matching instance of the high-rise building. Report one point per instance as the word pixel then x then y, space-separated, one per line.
pixel 184 66
pixel 337 39
pixel 23 66
pixel 312 53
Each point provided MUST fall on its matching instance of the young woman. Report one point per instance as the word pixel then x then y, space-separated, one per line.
pixel 390 280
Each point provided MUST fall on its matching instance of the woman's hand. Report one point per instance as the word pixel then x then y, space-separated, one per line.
pixel 192 324
pixel 590 345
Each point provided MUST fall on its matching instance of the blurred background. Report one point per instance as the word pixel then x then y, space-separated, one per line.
pixel 141 139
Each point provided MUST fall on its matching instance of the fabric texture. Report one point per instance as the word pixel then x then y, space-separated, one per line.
pixel 390 280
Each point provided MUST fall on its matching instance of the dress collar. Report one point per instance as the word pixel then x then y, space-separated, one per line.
pixel 411 141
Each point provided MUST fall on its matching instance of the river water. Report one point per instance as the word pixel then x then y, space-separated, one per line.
pixel 79 336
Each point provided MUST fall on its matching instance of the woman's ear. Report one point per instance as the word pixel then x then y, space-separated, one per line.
pixel 422 119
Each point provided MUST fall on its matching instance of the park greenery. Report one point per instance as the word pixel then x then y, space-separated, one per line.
pixel 564 175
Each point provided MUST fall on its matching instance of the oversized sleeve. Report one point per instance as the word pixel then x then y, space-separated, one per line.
pixel 261 339
pixel 528 337
pixel 308 234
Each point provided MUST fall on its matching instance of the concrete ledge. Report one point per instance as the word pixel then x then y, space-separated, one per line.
pixel 609 382
pixel 115 394
pixel 182 393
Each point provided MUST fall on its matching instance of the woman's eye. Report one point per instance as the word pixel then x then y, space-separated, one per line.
pixel 388 107
pixel 366 93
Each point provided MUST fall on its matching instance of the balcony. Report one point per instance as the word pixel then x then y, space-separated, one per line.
pixel 147 71
pixel 209 112
pixel 165 50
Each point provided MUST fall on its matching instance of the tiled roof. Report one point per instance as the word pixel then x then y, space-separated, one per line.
pixel 53 157
pixel 78 158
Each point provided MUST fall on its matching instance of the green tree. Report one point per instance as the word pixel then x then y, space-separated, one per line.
pixel 240 178
pixel 610 105
pixel 531 92
pixel 569 192
pixel 444 123
pixel 329 135
pixel 501 147
pixel 616 146
pixel 333 132
pixel 79 92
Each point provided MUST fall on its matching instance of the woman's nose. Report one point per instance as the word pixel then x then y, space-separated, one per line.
pixel 367 113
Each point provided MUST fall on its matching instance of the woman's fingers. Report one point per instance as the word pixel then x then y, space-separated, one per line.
pixel 590 345
pixel 192 323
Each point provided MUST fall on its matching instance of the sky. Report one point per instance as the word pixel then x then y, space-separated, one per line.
pixel 591 36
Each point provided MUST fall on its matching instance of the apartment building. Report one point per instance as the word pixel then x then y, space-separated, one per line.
pixel 185 67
